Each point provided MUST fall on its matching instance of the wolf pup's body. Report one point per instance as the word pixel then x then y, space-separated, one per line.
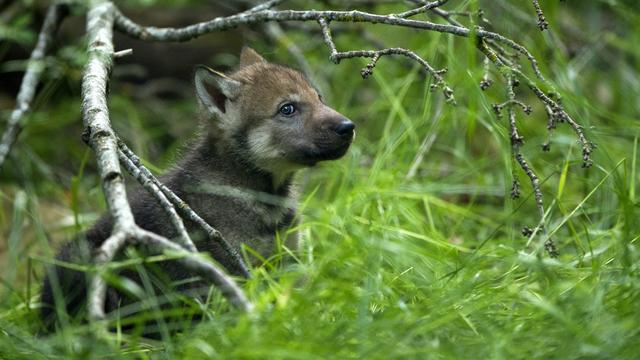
pixel 263 122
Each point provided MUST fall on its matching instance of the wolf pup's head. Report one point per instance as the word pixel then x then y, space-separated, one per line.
pixel 270 116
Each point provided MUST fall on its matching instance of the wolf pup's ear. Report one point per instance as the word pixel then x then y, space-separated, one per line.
pixel 214 88
pixel 248 56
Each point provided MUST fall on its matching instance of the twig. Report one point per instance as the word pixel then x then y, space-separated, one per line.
pixel 516 144
pixel 186 211
pixel 542 21
pixel 97 286
pixel 122 53
pixel 135 30
pixel 206 269
pixel 158 244
pixel 154 190
pixel 502 54
pixel 422 9
pixel 486 81
pixel 375 55
pixel 560 115
pixel 557 111
pixel 35 68
pixel 551 126
pixel 513 101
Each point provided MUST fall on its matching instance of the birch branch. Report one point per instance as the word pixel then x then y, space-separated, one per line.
pixel 516 144
pixel 102 139
pixel 35 68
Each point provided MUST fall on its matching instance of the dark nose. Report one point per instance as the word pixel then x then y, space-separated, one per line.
pixel 344 128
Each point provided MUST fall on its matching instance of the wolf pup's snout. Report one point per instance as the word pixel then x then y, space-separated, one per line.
pixel 345 128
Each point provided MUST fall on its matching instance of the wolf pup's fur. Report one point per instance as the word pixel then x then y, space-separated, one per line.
pixel 263 122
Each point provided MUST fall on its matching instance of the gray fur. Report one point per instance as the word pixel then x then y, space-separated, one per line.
pixel 238 178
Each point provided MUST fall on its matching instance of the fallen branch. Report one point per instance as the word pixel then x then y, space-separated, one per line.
pixel 100 136
pixel 35 68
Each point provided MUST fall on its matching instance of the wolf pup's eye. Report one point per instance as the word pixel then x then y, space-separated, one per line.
pixel 287 109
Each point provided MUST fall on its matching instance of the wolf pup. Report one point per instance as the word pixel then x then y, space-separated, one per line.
pixel 262 122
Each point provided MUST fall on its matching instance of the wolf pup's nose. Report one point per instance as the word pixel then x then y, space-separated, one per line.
pixel 344 128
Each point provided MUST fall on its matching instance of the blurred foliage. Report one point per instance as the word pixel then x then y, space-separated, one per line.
pixel 432 266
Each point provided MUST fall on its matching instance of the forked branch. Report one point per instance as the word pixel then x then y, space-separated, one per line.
pixel 162 193
pixel 100 136
pixel 375 55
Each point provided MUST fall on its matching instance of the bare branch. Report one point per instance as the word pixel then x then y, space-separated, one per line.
pixel 158 244
pixel 35 67
pixel 551 126
pixel 186 211
pixel 422 9
pixel 130 28
pixel 542 21
pixel 560 115
pixel 516 143
pixel 557 111
pixel 100 136
pixel 513 101
pixel 152 188
pixel 195 264
pixel 486 82
pixel 448 16
pixel 95 114
pixel 122 53
pixel 328 39
pixel 375 55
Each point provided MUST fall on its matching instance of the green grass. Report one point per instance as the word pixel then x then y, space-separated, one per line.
pixel 393 266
